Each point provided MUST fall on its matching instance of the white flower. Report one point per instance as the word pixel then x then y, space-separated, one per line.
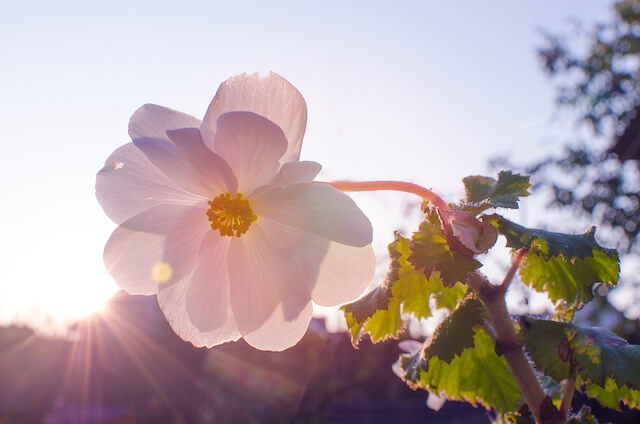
pixel 223 223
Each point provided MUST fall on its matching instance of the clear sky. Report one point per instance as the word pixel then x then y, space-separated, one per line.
pixel 417 90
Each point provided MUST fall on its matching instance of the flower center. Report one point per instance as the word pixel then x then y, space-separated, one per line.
pixel 228 214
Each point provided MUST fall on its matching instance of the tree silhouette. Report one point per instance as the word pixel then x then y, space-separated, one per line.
pixel 603 87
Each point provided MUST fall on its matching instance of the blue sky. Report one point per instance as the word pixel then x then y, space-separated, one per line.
pixel 416 90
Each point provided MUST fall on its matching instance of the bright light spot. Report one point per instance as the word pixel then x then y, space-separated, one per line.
pixel 68 306
pixel 118 165
pixel 53 275
pixel 161 272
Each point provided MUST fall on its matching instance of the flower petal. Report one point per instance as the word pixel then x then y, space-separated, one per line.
pixel 209 165
pixel 129 184
pixel 130 256
pixel 173 302
pixel 155 247
pixel 251 145
pixel 153 121
pixel 278 333
pixel 185 160
pixel 271 266
pixel 345 273
pixel 208 303
pixel 270 96
pixel 171 162
pixel 296 172
pixel 317 208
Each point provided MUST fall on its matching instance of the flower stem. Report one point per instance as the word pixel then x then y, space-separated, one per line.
pixel 512 270
pixel 423 192
pixel 568 388
pixel 539 403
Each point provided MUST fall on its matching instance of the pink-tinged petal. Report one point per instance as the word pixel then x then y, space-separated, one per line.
pixel 208 136
pixel 129 184
pixel 296 172
pixel 270 96
pixel 270 266
pixel 158 246
pixel 188 220
pixel 130 257
pixel 173 302
pixel 345 273
pixel 331 273
pixel 153 121
pixel 251 145
pixel 208 303
pixel 209 165
pixel 171 162
pixel 317 208
pixel 277 333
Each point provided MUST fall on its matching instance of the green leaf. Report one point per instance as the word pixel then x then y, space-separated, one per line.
pixel 405 291
pixel 515 418
pixel 548 244
pixel 451 337
pixel 583 416
pixel 566 266
pixel 478 188
pixel 449 297
pixel 477 374
pixel 504 192
pixel 455 333
pixel 376 313
pixel 611 395
pixel 354 326
pixel 605 362
pixel 430 252
pixel 547 346
pixel 569 284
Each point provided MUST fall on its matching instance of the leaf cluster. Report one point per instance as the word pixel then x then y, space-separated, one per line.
pixel 405 290
pixel 487 192
pixel 565 266
pixel 460 359
pixel 460 362
pixel 604 365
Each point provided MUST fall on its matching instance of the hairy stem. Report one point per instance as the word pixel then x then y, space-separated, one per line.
pixel 493 297
pixel 568 388
pixel 512 270
pixel 423 192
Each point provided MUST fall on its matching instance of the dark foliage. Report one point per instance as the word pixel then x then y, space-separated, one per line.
pixel 603 87
pixel 127 366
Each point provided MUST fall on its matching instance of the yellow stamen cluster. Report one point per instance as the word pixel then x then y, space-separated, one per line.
pixel 228 214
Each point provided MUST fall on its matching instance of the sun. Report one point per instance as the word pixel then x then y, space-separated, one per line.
pixel 78 301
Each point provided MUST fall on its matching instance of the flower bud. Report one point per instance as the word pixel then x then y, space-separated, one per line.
pixel 465 233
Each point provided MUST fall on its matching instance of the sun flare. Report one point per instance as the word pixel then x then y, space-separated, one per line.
pixel 59 309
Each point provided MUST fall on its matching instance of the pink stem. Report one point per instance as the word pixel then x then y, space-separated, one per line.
pixel 512 270
pixel 423 192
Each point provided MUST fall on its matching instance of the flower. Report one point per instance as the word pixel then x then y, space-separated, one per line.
pixel 221 220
